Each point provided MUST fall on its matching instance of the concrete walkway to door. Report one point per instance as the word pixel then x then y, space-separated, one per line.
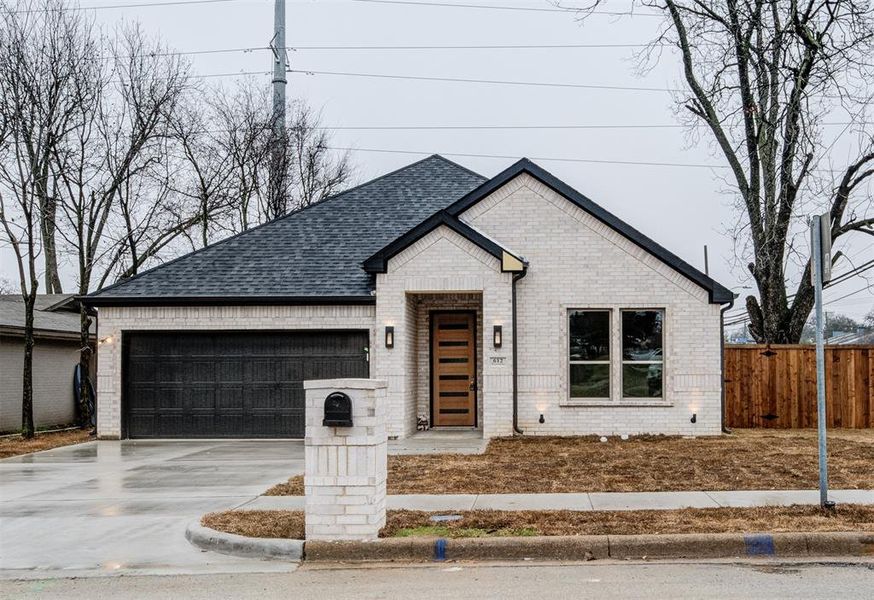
pixel 115 507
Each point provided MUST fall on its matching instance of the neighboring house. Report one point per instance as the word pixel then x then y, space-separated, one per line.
pixel 861 336
pixel 55 355
pixel 482 302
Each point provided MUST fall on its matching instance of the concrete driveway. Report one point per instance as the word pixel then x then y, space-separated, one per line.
pixel 115 507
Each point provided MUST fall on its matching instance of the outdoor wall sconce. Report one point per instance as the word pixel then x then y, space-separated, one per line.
pixel 694 418
pixel 498 338
pixel 389 337
pixel 542 420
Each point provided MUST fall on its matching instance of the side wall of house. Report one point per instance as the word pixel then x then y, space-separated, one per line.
pixel 114 321
pixel 53 363
pixel 442 262
pixel 576 262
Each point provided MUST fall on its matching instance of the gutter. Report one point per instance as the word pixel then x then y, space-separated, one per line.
pixel 722 312
pixel 516 430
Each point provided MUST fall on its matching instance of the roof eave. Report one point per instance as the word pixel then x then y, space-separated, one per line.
pixel 717 293
pixel 227 300
pixel 378 263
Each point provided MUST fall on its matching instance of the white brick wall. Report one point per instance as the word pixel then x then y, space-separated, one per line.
pixel 113 321
pixel 345 467
pixel 443 262
pixel 577 262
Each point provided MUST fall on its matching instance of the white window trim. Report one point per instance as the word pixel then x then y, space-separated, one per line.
pixel 565 399
pixel 609 362
pixel 623 362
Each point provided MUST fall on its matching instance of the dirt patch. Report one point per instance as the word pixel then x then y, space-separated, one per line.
pixel 493 523
pixel 15 446
pixel 288 524
pixel 745 460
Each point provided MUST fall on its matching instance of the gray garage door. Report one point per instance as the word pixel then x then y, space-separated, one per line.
pixel 230 384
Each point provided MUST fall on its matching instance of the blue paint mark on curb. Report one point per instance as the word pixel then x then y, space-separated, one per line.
pixel 759 545
pixel 440 549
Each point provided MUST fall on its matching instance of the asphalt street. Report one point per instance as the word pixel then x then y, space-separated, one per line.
pixel 601 580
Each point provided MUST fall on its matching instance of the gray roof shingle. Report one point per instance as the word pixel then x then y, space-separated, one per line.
pixel 314 253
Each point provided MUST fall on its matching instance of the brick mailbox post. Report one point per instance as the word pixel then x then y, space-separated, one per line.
pixel 346 460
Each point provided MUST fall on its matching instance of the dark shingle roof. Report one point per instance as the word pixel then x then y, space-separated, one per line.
pixel 315 253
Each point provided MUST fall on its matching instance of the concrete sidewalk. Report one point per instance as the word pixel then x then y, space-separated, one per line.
pixel 590 501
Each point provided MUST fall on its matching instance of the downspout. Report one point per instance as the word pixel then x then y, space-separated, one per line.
pixel 516 430
pixel 722 312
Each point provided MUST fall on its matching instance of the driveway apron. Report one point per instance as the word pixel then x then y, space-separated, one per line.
pixel 114 507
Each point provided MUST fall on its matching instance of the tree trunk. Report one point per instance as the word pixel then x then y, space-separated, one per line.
pixel 48 224
pixel 27 428
pixel 84 367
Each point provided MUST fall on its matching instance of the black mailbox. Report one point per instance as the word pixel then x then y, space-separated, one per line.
pixel 338 410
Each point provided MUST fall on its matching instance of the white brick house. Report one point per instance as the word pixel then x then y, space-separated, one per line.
pixel 509 305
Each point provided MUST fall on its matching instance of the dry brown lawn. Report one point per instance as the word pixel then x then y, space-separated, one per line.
pixel 486 523
pixel 15 446
pixel 746 460
pixel 258 523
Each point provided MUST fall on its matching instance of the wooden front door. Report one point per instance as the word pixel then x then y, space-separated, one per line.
pixel 453 369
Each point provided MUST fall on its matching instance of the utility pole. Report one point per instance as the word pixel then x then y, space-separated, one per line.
pixel 820 242
pixel 706 262
pixel 277 153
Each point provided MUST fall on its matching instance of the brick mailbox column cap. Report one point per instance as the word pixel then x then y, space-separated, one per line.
pixel 349 384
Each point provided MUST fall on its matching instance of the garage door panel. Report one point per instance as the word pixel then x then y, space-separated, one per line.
pixel 229 371
pixel 230 384
pixel 262 370
pixel 201 371
pixel 229 398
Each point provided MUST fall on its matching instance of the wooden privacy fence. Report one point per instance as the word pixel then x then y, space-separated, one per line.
pixel 775 386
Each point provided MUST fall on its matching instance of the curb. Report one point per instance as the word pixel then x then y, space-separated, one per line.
pixel 246 547
pixel 580 548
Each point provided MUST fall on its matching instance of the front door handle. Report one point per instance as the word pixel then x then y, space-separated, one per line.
pixel 473 386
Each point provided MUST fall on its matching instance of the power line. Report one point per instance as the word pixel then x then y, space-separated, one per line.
pixel 232 74
pixel 198 52
pixel 541 158
pixel 123 6
pixel 745 319
pixel 471 47
pixel 866 266
pixel 485 81
pixel 513 8
pixel 386 2
pixel 503 127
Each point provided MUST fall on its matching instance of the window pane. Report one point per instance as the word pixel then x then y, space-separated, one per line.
pixel 590 381
pixel 641 381
pixel 589 335
pixel 642 334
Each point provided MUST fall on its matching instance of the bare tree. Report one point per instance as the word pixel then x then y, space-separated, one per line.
pixel 207 164
pixel 761 77
pixel 126 100
pixel 40 74
pixel 316 171
pixel 244 136
pixel 312 170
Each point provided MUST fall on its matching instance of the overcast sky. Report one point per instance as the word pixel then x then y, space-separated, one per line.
pixel 683 208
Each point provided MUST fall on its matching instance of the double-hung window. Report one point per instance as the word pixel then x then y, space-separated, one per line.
pixel 589 354
pixel 642 358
